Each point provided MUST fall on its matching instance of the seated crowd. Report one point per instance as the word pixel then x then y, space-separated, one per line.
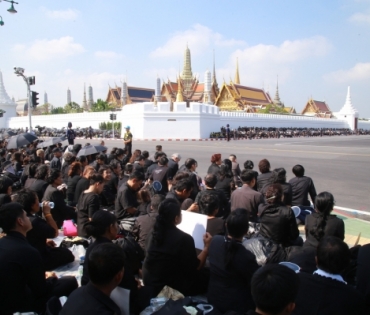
pixel 129 207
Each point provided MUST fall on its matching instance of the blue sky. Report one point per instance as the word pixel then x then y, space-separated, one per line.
pixel 317 48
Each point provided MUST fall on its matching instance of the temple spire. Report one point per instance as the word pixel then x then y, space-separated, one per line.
pixel 186 72
pixel 84 102
pixel 237 79
pixel 179 96
pixel 348 108
pixel 4 97
pixel 214 79
pixel 277 100
pixel 69 98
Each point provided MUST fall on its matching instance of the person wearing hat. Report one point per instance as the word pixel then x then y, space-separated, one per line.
pixel 127 140
pixel 55 162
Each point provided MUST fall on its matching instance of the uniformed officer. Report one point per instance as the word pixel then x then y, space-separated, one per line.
pixel 127 140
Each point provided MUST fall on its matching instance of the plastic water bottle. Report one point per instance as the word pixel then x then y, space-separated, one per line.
pixel 51 204
pixel 79 274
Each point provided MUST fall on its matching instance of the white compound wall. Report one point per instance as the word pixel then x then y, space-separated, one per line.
pixel 150 121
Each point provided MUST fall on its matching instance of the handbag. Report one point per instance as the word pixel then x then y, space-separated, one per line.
pixel 134 253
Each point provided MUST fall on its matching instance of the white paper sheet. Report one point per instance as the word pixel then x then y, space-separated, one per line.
pixel 194 224
pixel 121 297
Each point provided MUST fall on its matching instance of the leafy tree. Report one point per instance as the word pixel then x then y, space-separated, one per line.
pixel 72 107
pixel 57 110
pixel 45 109
pixel 272 109
pixel 101 106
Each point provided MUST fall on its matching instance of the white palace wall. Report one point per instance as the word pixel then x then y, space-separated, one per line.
pixel 148 121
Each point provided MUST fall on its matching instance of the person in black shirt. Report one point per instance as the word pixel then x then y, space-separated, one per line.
pixel 264 177
pixel 55 193
pixel 278 222
pixel 126 201
pixel 83 183
pixel 248 165
pixel 147 161
pixel 209 204
pixel 115 166
pixel 43 230
pixel 216 161
pixel 89 203
pixel 171 258
pixel 55 162
pixel 74 175
pixel 39 185
pixel 106 270
pixel 160 175
pixel 173 166
pixel 144 224
pixel 231 266
pixel 152 167
pixel 181 192
pixel 225 181
pixel 107 196
pixel 22 275
pixel 302 186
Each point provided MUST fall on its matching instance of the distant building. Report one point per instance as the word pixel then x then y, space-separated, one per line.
pixel 69 97
pixel 90 100
pixel 120 96
pixel 317 108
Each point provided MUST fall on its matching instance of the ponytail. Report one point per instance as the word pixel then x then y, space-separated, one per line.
pixel 324 204
pixel 168 210
pixel 100 222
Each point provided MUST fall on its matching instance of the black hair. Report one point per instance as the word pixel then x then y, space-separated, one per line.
pixel 274 194
pixel 100 222
pixel 8 215
pixel 158 155
pixel 145 154
pixel 105 261
pixel 324 204
pixel 114 149
pixel 158 147
pixel 5 183
pixel 264 166
pixel 82 159
pixel 248 165
pixel 228 163
pixel 96 178
pixel 119 152
pixel 32 170
pixel 179 176
pixel 273 287
pixel 163 161
pixel 168 210
pixel 210 180
pixel 189 163
pixel 101 157
pixel 333 255
pixel 247 176
pixel 237 224
pixel 278 176
pixel 114 164
pixel 185 183
pixel 208 203
pixel 129 168
pixel 103 168
pixel 225 171
pixel 155 201
pixel 27 199
pixel 137 175
pixel 298 170
pixel 53 175
pixel 42 172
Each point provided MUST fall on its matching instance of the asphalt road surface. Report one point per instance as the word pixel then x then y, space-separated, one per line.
pixel 340 164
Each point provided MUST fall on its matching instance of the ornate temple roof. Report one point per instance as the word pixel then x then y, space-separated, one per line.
pixel 136 94
pixel 317 108
pixel 4 97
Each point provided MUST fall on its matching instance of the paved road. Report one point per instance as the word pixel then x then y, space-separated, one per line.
pixel 340 165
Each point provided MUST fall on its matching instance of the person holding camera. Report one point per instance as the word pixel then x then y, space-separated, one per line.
pixel 43 229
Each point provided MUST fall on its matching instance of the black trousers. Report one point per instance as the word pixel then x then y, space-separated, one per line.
pixel 56 257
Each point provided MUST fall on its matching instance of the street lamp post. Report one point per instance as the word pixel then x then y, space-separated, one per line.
pixel 20 73
pixel 11 9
